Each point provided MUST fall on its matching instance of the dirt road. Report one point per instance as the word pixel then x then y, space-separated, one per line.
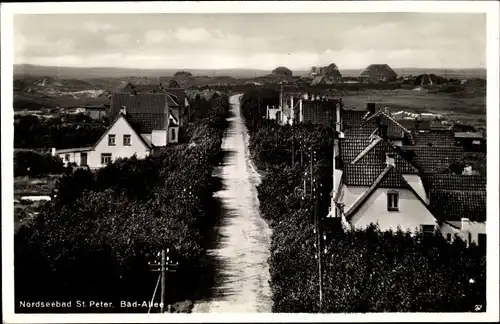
pixel 243 248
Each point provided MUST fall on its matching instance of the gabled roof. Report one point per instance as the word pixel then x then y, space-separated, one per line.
pixel 394 128
pixel 433 159
pixel 146 109
pixel 455 182
pixel 453 205
pixel 352 118
pixel 365 175
pixel 377 151
pixel 373 177
pixel 146 88
pixel 133 126
pixel 435 137
pixel 350 147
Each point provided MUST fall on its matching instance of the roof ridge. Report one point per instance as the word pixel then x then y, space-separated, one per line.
pixel 355 206
pixel 367 149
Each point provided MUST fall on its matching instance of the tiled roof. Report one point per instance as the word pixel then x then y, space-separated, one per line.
pixel 146 109
pixel 358 132
pixel 350 147
pixel 433 159
pixel 394 128
pixel 455 182
pixel 366 174
pixel 453 205
pixel 148 88
pixel 352 118
pixel 435 137
pixel 179 94
pixel 378 154
pixel 412 124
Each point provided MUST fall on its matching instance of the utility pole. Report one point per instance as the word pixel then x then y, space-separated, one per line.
pixel 163 281
pixel 313 153
pixel 165 266
pixel 318 243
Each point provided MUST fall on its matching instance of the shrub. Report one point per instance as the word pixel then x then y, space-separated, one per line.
pixel 36 164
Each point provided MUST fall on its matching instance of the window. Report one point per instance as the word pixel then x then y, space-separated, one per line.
pixel 428 229
pixel 173 134
pixel 105 158
pixel 66 157
pixel 448 237
pixel 476 142
pixel 470 237
pixel 393 201
pixel 126 140
pixel 111 140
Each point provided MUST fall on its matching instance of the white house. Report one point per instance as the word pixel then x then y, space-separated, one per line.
pixel 119 141
pixel 150 124
pixel 382 194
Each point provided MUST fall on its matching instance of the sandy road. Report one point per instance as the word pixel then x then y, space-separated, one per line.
pixel 243 248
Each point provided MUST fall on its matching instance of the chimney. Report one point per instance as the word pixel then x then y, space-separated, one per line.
pixel 389 160
pixel 463 222
pixel 338 121
pixel 123 110
pixel 370 107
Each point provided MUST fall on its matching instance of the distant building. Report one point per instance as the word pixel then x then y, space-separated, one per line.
pixel 379 73
pixel 96 112
pixel 330 72
pixel 282 72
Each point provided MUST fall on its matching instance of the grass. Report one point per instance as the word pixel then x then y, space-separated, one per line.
pixel 31 186
pixel 25 211
pixel 470 109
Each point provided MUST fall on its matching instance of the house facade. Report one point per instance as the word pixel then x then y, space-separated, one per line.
pixel 398 178
pixel 119 141
pixel 141 122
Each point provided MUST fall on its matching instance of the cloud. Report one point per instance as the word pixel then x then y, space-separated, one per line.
pixel 193 35
pixel 95 27
pixel 157 36
pixel 118 40
pixel 42 46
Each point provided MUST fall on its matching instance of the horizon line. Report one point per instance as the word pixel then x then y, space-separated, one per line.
pixel 238 68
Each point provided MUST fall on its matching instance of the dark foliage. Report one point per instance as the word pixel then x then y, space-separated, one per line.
pixel 60 132
pixel 364 271
pixel 94 240
pixel 36 164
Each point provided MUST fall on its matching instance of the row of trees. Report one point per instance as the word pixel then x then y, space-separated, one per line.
pixel 363 271
pixel 94 240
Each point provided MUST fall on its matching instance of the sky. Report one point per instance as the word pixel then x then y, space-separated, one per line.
pixel 254 41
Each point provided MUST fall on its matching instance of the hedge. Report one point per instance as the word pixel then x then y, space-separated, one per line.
pixel 94 240
pixel 363 271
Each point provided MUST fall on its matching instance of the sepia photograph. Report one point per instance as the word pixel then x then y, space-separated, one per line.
pixel 187 160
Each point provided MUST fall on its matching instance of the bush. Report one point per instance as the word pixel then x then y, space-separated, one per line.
pixel 36 164
pixel 364 271
pixel 94 240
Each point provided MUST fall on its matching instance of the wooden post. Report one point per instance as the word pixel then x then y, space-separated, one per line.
pixel 311 163
pixel 163 281
pixel 318 242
